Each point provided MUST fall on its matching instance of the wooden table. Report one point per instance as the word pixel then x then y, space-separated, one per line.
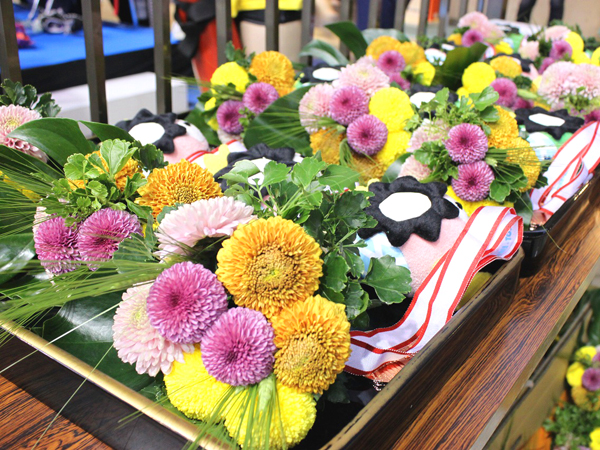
pixel 461 400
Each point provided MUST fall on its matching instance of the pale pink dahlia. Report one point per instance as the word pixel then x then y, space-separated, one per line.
pixel 11 118
pixel 137 342
pixel 367 135
pixel 588 77
pixel 594 116
pixel 591 379
pixel 561 50
pixel 315 105
pixel 366 60
pixel 347 104
pixel 259 96
pixel 228 116
pixel 547 62
pixel 238 349
pixel 473 183
pixel 56 246
pixel 102 232
pixel 556 33
pixel 402 82
pixel 507 90
pixel 428 132
pixel 471 36
pixel 557 82
pixel 529 49
pixel 473 19
pixel 184 302
pixel 466 143
pixel 391 62
pixel 414 168
pixel 185 226
pixel 370 79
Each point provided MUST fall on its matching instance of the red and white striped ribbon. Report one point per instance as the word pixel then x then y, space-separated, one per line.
pixel 571 168
pixel 491 233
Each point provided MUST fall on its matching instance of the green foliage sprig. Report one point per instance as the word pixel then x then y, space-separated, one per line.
pixel 27 96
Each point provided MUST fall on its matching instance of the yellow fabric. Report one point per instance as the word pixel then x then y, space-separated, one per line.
pixel 252 5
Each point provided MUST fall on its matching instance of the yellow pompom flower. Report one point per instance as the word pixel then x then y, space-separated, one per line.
pixel 588 351
pixel 522 154
pixel 426 69
pixel 596 57
pixel 582 398
pixel 412 52
pixel 274 68
pixel 574 374
pixel 313 341
pixel 504 47
pixel 327 141
pixel 471 207
pixel 455 38
pixel 381 45
pixel 504 131
pixel 270 264
pixel 478 76
pixel 231 72
pixel 192 390
pixel 392 106
pixel 581 58
pixel 507 66
pixel 182 182
pixel 595 439
pixel 576 42
pixel 462 92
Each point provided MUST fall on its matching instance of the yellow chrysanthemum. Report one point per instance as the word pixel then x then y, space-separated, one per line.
pixel 274 68
pixel 504 47
pixel 462 92
pixel 413 53
pixel 270 264
pixel 522 154
pixel 576 42
pixel 574 374
pixel 585 399
pixel 478 76
pixel 588 351
pixel 581 58
pixel 595 439
pixel 231 72
pixel 182 182
pixel 327 141
pixel 470 207
pixel 210 104
pixel 313 338
pixel 455 38
pixel 426 69
pixel 507 66
pixel 504 131
pixel 192 390
pixel 131 168
pixel 596 57
pixel 297 414
pixel 381 45
pixel 393 107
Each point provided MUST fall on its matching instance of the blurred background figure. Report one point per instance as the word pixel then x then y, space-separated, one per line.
pixel 557 8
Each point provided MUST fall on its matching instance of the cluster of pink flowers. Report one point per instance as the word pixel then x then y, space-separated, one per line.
pixel 479 23
pixel 12 117
pixel 507 91
pixel 562 79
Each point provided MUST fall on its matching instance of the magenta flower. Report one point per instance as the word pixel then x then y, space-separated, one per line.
pixel 238 349
pixel 315 105
pixel 414 168
pixel 259 96
pixel 402 82
pixel 561 50
pixel 521 103
pixel 507 90
pixel 367 135
pixel 474 180
pixel 591 379
pixel 184 302
pixel 594 116
pixel 365 76
pixel 228 116
pixel 547 62
pixel 471 36
pixel 56 246
pixel 466 143
pixel 11 118
pixel 391 62
pixel 347 104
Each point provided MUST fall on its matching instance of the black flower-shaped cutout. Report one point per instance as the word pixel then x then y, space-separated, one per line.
pixel 167 121
pixel 571 124
pixel 427 225
pixel 308 75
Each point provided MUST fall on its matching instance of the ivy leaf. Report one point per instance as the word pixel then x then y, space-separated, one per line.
pixel 116 153
pixel 339 178
pixel 355 263
pixel 275 173
pixel 331 295
pixel 389 280
pixel 150 156
pixel 499 191
pixel 356 300
pixel 305 171
pixel 335 272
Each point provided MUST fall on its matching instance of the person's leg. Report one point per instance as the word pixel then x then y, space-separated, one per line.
pixel 557 8
pixel 362 14
pixel 254 38
pixel 388 12
pixel 524 14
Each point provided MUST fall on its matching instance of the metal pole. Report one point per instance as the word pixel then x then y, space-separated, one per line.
pixel 373 10
pixel 272 24
pixel 400 13
pixel 443 18
pixel 223 13
pixel 308 7
pixel 480 5
pixel 9 51
pixel 463 7
pixel 345 15
pixel 94 60
pixel 423 15
pixel 162 56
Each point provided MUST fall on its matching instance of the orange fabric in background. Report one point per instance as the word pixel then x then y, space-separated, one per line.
pixel 434 9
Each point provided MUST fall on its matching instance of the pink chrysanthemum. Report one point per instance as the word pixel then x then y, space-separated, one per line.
pixel 102 232
pixel 347 104
pixel 473 19
pixel 428 132
pixel 473 183
pixel 56 245
pixel 190 223
pixel 471 36
pixel 529 49
pixel 315 105
pixel 588 77
pixel 561 50
pixel 414 168
pixel 367 135
pixel 137 342
pixel 402 82
pixel 11 118
pixel 238 349
pixel 259 96
pixel 556 33
pixel 556 82
pixel 507 90
pixel 547 62
pixel 228 116
pixel 521 103
pixel 591 379
pixel 369 78
pixel 391 62
pixel 466 143
pixel 366 60
pixel 594 116
pixel 184 302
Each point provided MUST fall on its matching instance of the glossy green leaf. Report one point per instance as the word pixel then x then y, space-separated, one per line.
pixel 15 252
pixel 390 281
pixel 351 36
pixel 339 178
pixel 104 131
pixel 335 272
pixel 116 153
pixel 274 173
pixel 356 300
pixel 305 171
pixel 450 73
pixel 325 52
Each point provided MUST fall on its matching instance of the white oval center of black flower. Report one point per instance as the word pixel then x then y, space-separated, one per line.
pixel 147 133
pixel 326 74
pixel 421 97
pixel 401 206
pixel 546 120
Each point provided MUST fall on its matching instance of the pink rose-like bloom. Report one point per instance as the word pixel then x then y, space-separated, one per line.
pixel 529 49
pixel 471 36
pixel 367 135
pixel 474 180
pixel 556 33
pixel 56 245
pixel 591 379
pixel 369 78
pixel 315 105
pixel 507 90
pixel 137 342
pixel 347 104
pixel 414 168
pixel 11 118
pixel 428 132
pixel 594 116
pixel 259 96
pixel 391 62
pixel 190 223
pixel 402 82
pixel 547 62
pixel 561 50
pixel 228 116
pixel 238 349
pixel 466 143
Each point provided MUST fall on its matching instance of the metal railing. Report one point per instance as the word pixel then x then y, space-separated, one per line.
pixel 95 60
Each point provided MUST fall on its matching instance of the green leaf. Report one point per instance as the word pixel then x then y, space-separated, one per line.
pixel 334 273
pixel 139 210
pixel 355 262
pixel 97 189
pixel 132 184
pixel 79 168
pixel 351 36
pixel 593 330
pixel 104 131
pixel 370 34
pixel 339 178
pixel 325 52
pixel 195 118
pixel 59 138
pixel 450 73
pixel 15 252
pixel 133 248
pixel 356 300
pixel 275 173
pixel 306 170
pixel 393 171
pixel 389 280
pixel 25 164
pixel 241 172
pixel 485 98
pixel 116 153
pixel 150 156
pixel 499 191
pixel 337 392
pixel 490 114
pixel 266 391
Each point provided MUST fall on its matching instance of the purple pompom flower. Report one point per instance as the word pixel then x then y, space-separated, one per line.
pixel 466 143
pixel 347 104
pixel 238 349
pixel 547 62
pixel 102 232
pixel 259 96
pixel 402 82
pixel 228 117
pixel 56 246
pixel 507 90
pixel 521 103
pixel 471 36
pixel 561 50
pixel 391 62
pixel 594 116
pixel 184 302
pixel 367 135
pixel 591 379
pixel 473 183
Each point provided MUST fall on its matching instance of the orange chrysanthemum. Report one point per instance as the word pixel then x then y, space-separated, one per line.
pixel 178 183
pixel 274 68
pixel 270 264
pixel 504 131
pixel 327 141
pixel 522 154
pixel 381 45
pixel 131 167
pixel 313 338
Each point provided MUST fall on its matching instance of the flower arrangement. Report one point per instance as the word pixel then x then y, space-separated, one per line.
pixel 476 27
